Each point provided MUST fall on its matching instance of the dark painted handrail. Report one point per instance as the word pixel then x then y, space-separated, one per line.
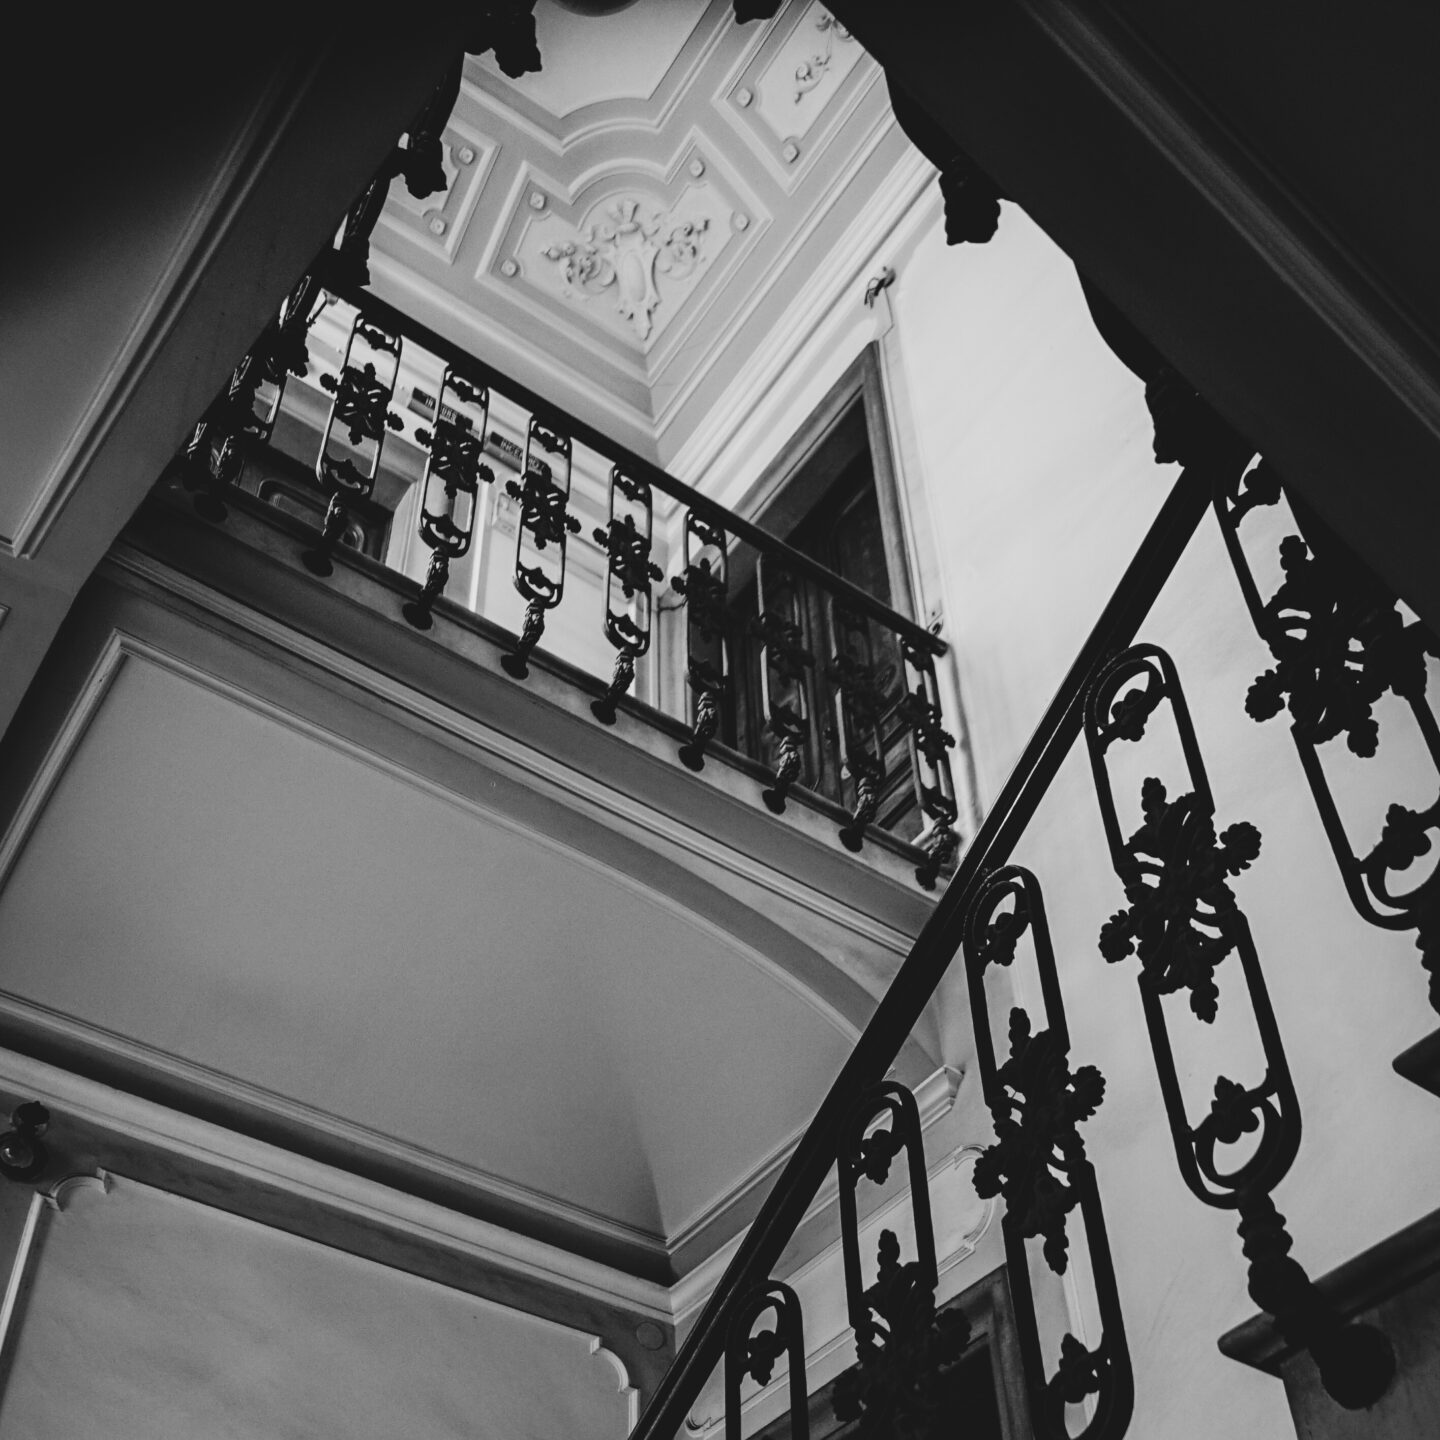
pixel 476 370
pixel 935 947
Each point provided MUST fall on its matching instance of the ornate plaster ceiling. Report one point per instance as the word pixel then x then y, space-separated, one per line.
pixel 613 223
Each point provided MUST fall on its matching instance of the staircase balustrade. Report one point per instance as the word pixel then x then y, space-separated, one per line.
pixel 1340 643
pixel 1183 922
pixel 880 675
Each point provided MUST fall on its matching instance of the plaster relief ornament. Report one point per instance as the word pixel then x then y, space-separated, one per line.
pixel 809 73
pixel 622 254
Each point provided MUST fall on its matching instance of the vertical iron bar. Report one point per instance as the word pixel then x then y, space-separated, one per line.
pixel 450 486
pixel 1182 921
pixel 629 576
pixel 752 1355
pixel 1039 1164
pixel 705 585
pixel 904 1349
pixel 929 762
pixel 1340 644
pixel 863 691
pixel 354 437
pixel 545 524
pixel 784 661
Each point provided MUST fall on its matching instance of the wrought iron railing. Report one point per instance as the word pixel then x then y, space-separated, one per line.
pixel 872 694
pixel 1340 643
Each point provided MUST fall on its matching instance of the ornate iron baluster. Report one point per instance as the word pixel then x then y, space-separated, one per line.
pixel 349 263
pixel 454 471
pixel 354 438
pixel 784 661
pixel 1340 644
pixel 545 524
pixel 929 763
pixel 705 586
pixel 246 410
pixel 628 596
pixel 904 1348
pixel 864 690
pixel 419 162
pixel 1039 1165
pixel 286 353
pixel 1182 920
pixel 755 1355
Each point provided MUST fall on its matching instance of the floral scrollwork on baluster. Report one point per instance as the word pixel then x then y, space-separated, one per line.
pixel 1183 921
pixel 705 588
pixel 540 537
pixel 354 438
pixel 930 744
pixel 905 1347
pixel 450 487
pixel 864 689
pixel 904 1354
pixel 1038 1161
pixel 630 575
pixel 1341 643
pixel 1038 1145
pixel 785 665
pixel 1180 911
pixel 754 1354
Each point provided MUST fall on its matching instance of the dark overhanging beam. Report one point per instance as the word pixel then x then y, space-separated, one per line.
pixel 1275 310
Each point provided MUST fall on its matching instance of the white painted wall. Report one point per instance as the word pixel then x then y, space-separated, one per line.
pixel 1025 451
pixel 1033 449
pixel 155 1318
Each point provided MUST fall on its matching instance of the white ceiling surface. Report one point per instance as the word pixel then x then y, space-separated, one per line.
pixel 153 1318
pixel 215 884
pixel 622 229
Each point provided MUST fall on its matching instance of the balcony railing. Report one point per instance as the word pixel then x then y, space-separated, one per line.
pixel 1339 641
pixel 392 442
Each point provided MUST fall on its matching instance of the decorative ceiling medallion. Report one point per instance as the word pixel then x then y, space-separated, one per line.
pixel 620 256
pixel 606 238
pixel 630 260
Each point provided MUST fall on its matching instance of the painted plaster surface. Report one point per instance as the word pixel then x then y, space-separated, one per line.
pixel 153 1318
pixel 1034 449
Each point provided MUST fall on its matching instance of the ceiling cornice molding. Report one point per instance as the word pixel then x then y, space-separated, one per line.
pixel 255 1160
pixel 768 217
pixel 504 99
pixel 900 209
pixel 150 1064
pixel 876 218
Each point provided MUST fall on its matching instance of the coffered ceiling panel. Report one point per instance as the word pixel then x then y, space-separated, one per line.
pixel 611 223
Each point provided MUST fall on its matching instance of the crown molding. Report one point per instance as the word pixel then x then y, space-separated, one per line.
pixel 898 209
pixel 310 1180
